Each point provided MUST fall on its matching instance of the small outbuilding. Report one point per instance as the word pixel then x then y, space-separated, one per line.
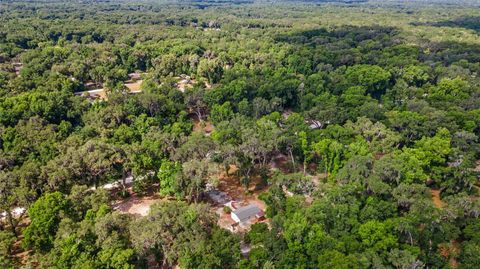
pixel 247 213
pixel 134 76
pixel 218 197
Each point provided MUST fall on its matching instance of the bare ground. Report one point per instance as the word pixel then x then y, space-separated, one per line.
pixel 136 205
pixel 437 201
pixel 134 86
pixel 205 126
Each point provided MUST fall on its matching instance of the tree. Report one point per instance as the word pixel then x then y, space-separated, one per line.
pixel 373 77
pixel 435 149
pixel 6 243
pixel 414 75
pixel 198 146
pixel 410 125
pixel 172 229
pixel 469 255
pixel 262 106
pixel 410 167
pixel 331 153
pixel 167 174
pixel 10 197
pixel 113 240
pixel 257 146
pixel 377 135
pixel 194 100
pixel 219 251
pixel 449 90
pixel 165 64
pixel 101 239
pixel 357 103
pixel 210 69
pixel 275 200
pixel 192 181
pixel 376 235
pixel 45 216
pixel 333 259
pixel 91 164
pixel 221 113
pixel 325 111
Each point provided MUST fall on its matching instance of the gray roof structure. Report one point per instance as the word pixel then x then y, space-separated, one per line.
pixel 219 197
pixel 246 212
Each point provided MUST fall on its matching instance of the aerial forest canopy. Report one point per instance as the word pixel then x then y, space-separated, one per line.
pixel 240 134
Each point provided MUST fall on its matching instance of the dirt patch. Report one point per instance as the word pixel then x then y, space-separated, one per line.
pixel 185 83
pixel 437 201
pixel 205 126
pixel 225 221
pixel 450 251
pixel 20 256
pixel 99 93
pixel 454 252
pixel 318 178
pixel 231 184
pixel 134 86
pixel 136 205
pixel 282 163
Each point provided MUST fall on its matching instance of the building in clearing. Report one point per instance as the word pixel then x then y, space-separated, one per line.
pixel 247 213
pixel 134 76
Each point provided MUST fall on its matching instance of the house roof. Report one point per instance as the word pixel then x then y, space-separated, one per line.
pixel 246 212
pixel 134 75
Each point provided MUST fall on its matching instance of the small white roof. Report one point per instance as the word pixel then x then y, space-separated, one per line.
pixel 246 212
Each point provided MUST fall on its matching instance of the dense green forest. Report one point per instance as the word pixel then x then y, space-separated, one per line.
pixel 356 124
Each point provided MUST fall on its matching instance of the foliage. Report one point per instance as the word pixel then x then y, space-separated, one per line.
pixel 348 117
pixel 45 217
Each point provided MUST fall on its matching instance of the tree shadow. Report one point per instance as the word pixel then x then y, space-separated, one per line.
pixel 469 23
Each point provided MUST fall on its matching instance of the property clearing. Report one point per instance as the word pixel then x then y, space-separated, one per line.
pixel 136 205
pixel 230 185
pixel 132 86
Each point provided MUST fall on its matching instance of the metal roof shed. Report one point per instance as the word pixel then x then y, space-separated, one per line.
pixel 245 213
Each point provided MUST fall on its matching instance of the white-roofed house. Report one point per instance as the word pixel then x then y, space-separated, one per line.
pixel 246 213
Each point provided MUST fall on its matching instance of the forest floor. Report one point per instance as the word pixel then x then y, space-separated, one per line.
pixel 454 252
pixel 137 204
pixel 205 126
pixel 437 201
pixel 20 255
pixel 451 250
